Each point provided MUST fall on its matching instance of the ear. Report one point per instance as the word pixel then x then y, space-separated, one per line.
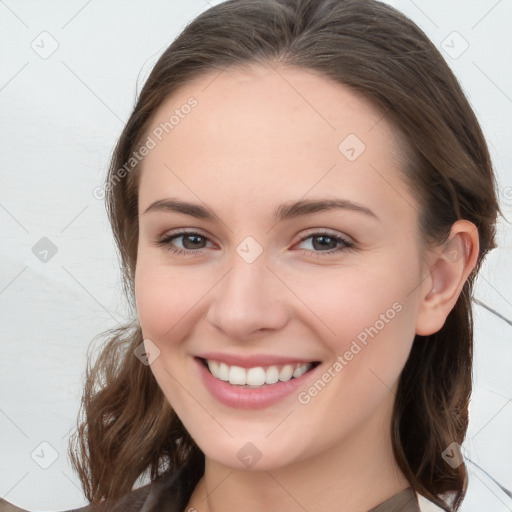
pixel 450 266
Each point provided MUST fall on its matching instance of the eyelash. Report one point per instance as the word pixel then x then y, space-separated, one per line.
pixel 166 243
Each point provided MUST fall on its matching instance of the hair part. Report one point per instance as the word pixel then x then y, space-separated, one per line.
pixel 129 428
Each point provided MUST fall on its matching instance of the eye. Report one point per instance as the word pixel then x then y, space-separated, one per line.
pixel 326 243
pixel 191 241
pixel 323 243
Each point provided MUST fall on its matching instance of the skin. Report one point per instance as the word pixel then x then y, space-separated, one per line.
pixel 258 138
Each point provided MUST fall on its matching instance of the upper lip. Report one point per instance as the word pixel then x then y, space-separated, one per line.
pixel 253 360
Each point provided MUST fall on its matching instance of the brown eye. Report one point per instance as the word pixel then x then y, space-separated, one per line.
pixel 326 244
pixel 191 242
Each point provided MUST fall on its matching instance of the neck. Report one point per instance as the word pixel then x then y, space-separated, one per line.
pixel 357 474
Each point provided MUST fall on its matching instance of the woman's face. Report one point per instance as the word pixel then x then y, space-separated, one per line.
pixel 268 278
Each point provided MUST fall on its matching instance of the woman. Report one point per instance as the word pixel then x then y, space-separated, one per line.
pixel 302 198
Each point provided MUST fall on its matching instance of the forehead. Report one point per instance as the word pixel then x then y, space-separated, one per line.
pixel 264 134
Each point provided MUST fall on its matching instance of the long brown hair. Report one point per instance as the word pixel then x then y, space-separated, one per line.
pixel 128 428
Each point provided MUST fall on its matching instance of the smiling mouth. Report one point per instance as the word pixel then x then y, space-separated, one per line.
pixel 258 376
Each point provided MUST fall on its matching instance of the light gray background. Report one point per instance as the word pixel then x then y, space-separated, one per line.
pixel 61 115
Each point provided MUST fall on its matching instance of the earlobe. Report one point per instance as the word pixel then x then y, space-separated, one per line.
pixel 452 264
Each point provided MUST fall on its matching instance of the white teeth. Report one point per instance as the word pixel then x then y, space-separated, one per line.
pixel 237 375
pixel 224 371
pixel 272 375
pixel 213 366
pixel 257 376
pixel 300 370
pixel 286 373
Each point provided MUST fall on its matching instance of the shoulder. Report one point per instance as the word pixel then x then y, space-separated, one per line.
pixel 5 506
pixel 170 492
pixel 405 501
pixel 131 502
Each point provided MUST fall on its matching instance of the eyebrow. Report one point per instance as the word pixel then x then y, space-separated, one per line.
pixel 283 212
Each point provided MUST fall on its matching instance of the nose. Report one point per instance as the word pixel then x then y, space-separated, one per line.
pixel 249 299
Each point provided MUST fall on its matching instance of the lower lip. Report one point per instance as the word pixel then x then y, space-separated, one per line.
pixel 241 397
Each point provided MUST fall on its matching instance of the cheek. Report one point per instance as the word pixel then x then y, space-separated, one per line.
pixel 164 298
pixel 367 316
pixel 350 301
pixel 374 331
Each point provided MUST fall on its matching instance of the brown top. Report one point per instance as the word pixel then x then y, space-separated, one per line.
pixel 170 493
pixel 404 501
